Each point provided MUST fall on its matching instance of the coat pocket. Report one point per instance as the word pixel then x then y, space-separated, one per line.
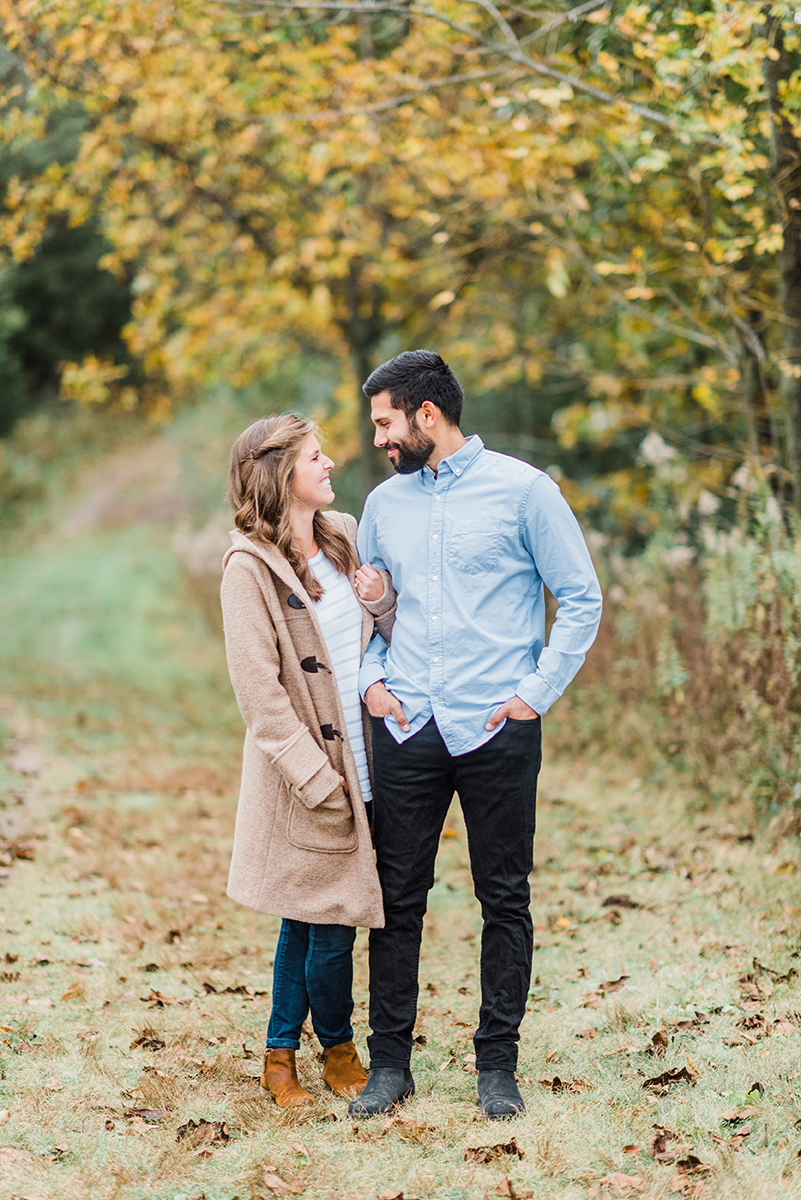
pixel 328 828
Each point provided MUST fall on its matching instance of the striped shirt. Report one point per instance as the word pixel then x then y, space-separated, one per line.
pixel 340 617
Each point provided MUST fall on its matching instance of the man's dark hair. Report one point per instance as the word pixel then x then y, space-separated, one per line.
pixel 415 376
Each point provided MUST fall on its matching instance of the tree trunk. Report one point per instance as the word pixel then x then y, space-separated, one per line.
pixel 363 326
pixel 786 174
pixel 371 464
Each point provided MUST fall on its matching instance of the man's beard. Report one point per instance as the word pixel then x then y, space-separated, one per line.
pixel 413 453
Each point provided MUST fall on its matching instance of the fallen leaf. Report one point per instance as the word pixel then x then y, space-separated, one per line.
pixel 778 976
pixel 692 1164
pixel 693 1068
pixel 551 1055
pixel 659 1043
pixel 148 1040
pixel 659 1144
pixel 487 1154
pixel 734 1142
pixel 413 1131
pixel 300 1148
pixel 198 1132
pixel 159 1000
pixel 249 1054
pixel 9 1154
pixel 560 1085
pixel 631 1149
pixel 612 985
pixel 623 1182
pixel 273 1182
pixel 4 1115
pixel 390 1196
pixel 507 1188
pixel 732 1115
pixel 661 1083
pixel 619 902
pixel 585 1033
pixel 150 1115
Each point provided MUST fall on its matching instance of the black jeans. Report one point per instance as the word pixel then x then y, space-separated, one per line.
pixel 497 787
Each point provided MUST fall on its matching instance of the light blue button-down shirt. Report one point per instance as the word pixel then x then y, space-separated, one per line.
pixel 469 550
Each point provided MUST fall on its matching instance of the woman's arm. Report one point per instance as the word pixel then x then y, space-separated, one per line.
pixel 251 645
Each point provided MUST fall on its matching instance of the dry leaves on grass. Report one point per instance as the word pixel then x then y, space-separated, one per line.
pixel 618 1184
pixel 239 989
pixel 282 1187
pixel 507 1188
pixel 203 1132
pixel 394 1196
pixel 735 1141
pixel 661 1083
pixel 562 1085
pixel 159 1000
pixel 660 1145
pixel 14 1154
pixel 411 1131
pixel 686 1178
pixel 659 1044
pixel 488 1154
pixel 733 1116
pixel 148 1040
pixel 593 999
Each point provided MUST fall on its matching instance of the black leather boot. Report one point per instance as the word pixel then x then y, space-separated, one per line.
pixel 385 1087
pixel 499 1096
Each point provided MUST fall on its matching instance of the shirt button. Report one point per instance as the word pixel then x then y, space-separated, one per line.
pixel 438 497
pixel 435 536
pixel 435 660
pixel 434 617
pixel 435 578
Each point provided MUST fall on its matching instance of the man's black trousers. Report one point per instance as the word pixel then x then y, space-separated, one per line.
pixel 497 787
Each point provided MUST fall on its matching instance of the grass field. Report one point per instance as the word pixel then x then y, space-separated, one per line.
pixel 133 993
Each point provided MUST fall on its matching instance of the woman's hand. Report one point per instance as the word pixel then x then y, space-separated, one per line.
pixel 369 584
pixel 343 783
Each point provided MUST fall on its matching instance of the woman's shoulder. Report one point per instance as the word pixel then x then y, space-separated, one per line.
pixel 344 522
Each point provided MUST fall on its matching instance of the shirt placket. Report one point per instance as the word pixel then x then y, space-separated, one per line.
pixel 436 548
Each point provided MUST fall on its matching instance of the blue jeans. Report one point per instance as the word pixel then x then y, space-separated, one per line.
pixel 313 970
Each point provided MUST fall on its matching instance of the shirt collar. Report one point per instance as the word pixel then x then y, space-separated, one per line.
pixel 459 461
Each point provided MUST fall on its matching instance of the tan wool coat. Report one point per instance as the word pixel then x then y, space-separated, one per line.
pixel 302 847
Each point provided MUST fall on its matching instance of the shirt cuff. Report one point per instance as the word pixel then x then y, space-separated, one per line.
pixel 537 693
pixel 370 673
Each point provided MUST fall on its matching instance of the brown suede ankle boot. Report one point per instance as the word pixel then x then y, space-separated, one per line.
pixel 342 1070
pixel 280 1080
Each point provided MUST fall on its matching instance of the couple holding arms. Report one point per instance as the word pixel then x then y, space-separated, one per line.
pixel 441 632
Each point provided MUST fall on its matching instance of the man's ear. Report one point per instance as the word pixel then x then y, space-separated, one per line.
pixel 428 414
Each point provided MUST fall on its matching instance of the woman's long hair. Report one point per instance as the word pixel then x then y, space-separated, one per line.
pixel 260 493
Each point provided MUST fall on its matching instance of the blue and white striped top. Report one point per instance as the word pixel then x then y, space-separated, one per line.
pixel 340 617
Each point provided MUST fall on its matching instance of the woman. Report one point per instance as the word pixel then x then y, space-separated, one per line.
pixel 295 633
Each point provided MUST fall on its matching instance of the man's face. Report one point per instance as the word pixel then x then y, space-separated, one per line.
pixel 408 448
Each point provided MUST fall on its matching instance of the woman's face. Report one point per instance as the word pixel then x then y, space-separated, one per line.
pixel 311 487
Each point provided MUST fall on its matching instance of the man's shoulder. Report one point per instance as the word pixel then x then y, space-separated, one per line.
pixel 388 491
pixel 512 472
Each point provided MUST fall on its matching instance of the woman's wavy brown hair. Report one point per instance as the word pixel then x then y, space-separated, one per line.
pixel 260 493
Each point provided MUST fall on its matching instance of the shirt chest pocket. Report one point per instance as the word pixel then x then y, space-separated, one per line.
pixel 473 546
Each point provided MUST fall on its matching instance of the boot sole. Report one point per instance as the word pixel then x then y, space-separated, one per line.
pixel 381 1112
pixel 268 1095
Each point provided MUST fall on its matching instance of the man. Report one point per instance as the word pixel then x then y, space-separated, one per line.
pixel 469 537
